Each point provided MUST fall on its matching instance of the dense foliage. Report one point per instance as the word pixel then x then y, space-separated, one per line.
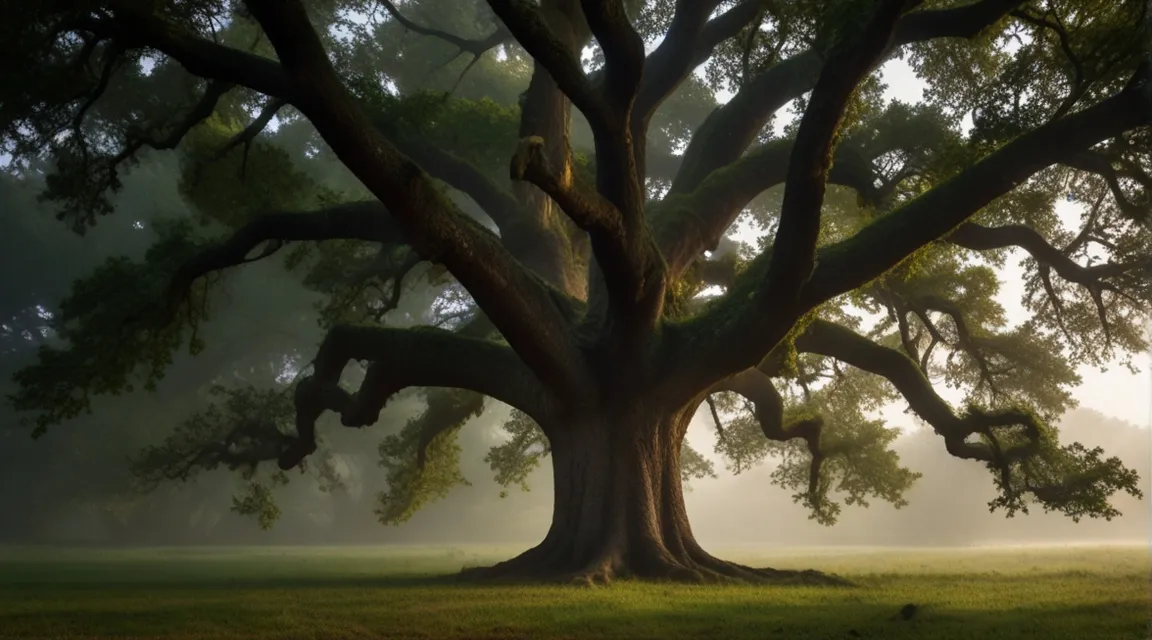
pixel 786 271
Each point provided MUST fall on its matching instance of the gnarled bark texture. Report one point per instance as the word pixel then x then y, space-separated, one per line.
pixel 619 509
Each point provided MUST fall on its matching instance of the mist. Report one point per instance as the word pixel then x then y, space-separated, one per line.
pixel 73 486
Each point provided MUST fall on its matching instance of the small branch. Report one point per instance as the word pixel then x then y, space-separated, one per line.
pixel 768 408
pixel 964 338
pixel 716 418
pixel 1077 81
pixel 828 339
pixel 1095 279
pixel 463 45
pixel 254 129
pixel 1101 165
pixel 367 221
pixel 476 47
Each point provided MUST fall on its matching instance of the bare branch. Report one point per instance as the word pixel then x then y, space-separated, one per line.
pixel 1101 165
pixel 255 128
pixel 463 45
pixel 716 418
pixel 1057 27
pixel 476 47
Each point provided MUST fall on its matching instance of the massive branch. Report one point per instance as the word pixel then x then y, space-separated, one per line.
pixel 687 224
pixel 1012 442
pixel 794 248
pixel 829 339
pixel 446 236
pixel 888 241
pixel 623 51
pixel 587 208
pixel 402 358
pixel 732 128
pixel 689 43
pixel 977 237
pixel 521 305
pixel 736 332
pixel 133 27
pixel 550 49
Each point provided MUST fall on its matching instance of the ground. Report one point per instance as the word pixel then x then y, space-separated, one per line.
pixel 1081 593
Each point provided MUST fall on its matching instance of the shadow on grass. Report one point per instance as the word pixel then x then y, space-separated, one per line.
pixel 216 581
pixel 371 615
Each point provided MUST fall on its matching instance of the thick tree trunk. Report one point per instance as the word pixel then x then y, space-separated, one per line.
pixel 619 510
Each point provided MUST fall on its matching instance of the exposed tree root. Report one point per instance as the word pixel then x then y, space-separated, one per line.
pixel 547 563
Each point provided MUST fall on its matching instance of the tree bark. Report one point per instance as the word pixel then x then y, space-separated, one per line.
pixel 619 510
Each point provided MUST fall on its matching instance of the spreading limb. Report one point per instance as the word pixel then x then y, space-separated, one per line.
pixel 768 408
pixel 728 132
pixel 1014 443
pixel 402 358
pixel 518 302
pixel 794 248
pixel 889 240
pixel 367 221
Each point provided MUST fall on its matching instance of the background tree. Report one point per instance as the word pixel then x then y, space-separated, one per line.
pixel 599 285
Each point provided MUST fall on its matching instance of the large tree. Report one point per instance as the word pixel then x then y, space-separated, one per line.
pixel 584 265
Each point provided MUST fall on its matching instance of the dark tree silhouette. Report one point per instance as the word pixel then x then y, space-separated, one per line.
pixel 584 280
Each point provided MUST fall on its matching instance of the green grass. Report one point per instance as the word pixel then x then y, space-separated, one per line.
pixel 1080 593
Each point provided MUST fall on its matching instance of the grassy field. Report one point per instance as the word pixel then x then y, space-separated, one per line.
pixel 1080 593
